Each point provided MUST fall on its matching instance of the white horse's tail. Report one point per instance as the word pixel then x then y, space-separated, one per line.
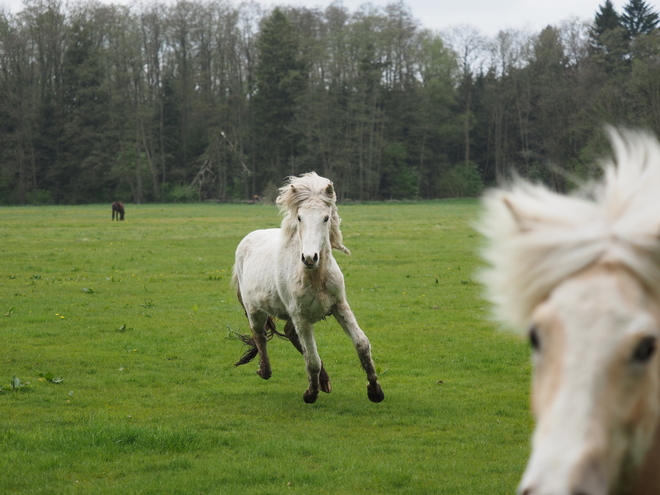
pixel 248 339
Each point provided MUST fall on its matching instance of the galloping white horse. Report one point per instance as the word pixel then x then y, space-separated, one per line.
pixel 581 274
pixel 290 274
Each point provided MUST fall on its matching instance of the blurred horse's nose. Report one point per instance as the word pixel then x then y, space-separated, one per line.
pixel 310 260
pixel 575 491
pixel 588 477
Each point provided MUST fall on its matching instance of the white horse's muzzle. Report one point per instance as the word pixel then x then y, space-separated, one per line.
pixel 310 262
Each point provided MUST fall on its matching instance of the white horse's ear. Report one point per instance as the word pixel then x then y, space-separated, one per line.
pixel 293 188
pixel 329 189
pixel 522 222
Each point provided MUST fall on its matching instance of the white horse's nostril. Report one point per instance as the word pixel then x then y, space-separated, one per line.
pixel 310 261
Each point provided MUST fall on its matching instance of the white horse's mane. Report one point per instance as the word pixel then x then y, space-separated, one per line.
pixel 537 238
pixel 308 187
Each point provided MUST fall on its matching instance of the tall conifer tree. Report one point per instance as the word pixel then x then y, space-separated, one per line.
pixel 606 19
pixel 638 18
pixel 280 81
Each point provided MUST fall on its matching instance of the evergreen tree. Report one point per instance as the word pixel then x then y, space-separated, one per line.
pixel 280 79
pixel 606 19
pixel 609 40
pixel 638 18
pixel 87 145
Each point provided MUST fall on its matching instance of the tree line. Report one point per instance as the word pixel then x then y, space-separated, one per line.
pixel 212 100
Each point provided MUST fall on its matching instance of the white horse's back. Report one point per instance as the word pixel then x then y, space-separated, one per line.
pixel 256 272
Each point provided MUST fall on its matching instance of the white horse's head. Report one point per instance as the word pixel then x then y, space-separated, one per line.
pixel 581 275
pixel 308 204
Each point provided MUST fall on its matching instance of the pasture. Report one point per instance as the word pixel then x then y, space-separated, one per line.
pixel 120 336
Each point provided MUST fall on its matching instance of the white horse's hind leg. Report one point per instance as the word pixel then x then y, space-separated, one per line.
pixel 258 327
pixel 305 331
pixel 345 317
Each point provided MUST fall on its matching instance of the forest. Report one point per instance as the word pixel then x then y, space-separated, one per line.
pixel 213 100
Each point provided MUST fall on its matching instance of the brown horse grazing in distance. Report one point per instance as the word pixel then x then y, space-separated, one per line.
pixel 118 210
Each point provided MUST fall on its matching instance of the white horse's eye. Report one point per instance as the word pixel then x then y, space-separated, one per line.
pixel 326 219
pixel 644 350
pixel 534 339
pixel 299 218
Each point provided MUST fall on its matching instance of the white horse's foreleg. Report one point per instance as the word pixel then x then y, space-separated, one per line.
pixel 258 327
pixel 345 317
pixel 305 332
pixel 292 335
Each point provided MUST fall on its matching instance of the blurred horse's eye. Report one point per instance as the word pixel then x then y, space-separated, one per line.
pixel 534 339
pixel 644 350
pixel 299 218
pixel 326 219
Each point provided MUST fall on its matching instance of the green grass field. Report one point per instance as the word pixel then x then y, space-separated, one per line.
pixel 119 335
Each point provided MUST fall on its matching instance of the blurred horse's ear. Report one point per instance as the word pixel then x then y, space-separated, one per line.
pixel 329 189
pixel 522 222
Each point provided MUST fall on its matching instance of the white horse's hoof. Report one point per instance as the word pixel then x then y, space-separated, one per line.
pixel 310 397
pixel 375 393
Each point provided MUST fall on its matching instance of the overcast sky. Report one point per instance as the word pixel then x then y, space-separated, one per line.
pixel 488 16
